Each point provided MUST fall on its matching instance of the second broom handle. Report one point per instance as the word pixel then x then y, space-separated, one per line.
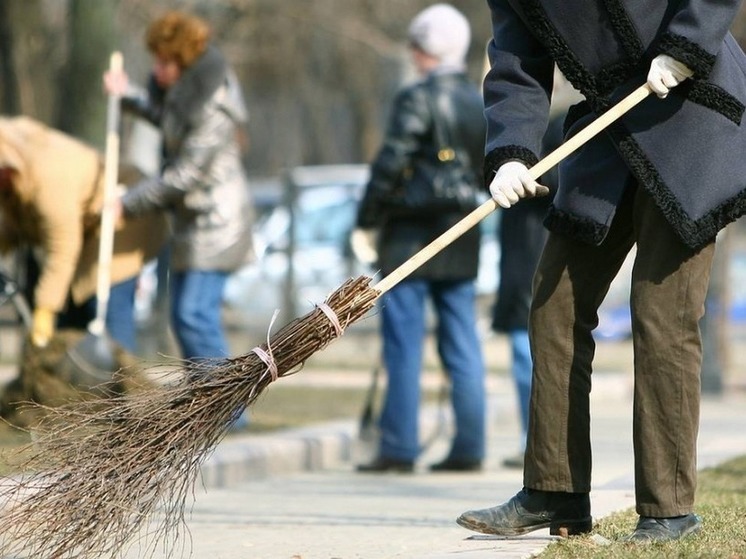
pixel 106 242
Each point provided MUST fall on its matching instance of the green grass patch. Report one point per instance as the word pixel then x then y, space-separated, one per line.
pixel 288 406
pixel 285 406
pixel 12 441
pixel 282 406
pixel 721 502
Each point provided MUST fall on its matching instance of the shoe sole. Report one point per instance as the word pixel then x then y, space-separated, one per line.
pixel 562 528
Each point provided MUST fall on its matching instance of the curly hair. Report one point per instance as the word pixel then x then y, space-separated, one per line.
pixel 178 36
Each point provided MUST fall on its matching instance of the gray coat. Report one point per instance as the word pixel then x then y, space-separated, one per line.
pixel 202 180
pixel 686 150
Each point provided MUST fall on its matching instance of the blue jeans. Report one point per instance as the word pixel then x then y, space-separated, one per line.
pixel 196 313
pixel 404 330
pixel 522 371
pixel 120 313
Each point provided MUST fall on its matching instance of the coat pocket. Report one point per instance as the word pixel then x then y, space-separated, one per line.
pixel 714 98
pixel 723 91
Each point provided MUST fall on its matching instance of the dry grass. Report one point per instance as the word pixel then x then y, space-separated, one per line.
pixel 721 502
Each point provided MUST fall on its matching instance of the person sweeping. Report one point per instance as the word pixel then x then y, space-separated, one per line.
pixel 664 179
pixel 195 99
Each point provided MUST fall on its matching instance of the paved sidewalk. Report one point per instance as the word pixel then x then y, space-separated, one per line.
pixel 295 494
pixel 315 506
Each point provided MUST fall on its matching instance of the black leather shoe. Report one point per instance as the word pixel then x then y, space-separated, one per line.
pixel 650 529
pixel 383 464
pixel 565 514
pixel 456 465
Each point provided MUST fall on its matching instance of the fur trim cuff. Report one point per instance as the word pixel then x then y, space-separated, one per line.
pixel 685 51
pixel 501 155
pixel 570 225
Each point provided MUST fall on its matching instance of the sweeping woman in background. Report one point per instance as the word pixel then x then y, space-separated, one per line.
pixel 196 100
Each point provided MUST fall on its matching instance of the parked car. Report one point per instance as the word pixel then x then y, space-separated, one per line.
pixel 319 205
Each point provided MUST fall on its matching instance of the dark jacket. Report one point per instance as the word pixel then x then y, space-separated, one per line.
pixel 686 150
pixel 410 135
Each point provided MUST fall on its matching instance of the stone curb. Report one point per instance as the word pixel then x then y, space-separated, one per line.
pixel 242 458
pixel 248 457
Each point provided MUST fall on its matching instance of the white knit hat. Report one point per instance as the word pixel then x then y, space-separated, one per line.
pixel 443 32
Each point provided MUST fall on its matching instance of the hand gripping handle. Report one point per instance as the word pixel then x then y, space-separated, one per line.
pixel 485 209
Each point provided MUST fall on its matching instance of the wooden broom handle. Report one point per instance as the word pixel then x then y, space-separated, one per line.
pixel 445 239
pixel 111 171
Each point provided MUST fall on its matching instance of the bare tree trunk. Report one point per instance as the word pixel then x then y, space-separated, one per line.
pixel 9 97
pixel 26 44
pixel 91 36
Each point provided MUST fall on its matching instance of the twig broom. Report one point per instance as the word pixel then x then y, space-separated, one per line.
pixel 101 469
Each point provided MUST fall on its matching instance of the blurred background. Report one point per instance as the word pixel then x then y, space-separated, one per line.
pixel 318 77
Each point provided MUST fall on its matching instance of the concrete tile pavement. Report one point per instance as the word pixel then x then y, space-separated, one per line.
pixel 295 494
pixel 300 498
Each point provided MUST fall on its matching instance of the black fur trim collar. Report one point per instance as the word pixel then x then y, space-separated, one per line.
pixel 594 88
pixel 570 66
pixel 624 29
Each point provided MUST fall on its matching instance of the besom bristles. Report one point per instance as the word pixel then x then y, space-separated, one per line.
pixel 102 469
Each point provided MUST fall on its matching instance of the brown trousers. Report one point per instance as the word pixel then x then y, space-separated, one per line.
pixel 669 284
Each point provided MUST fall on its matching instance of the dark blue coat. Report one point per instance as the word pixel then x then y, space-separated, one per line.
pixel 687 150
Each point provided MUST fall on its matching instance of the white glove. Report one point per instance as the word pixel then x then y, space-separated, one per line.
pixel 666 73
pixel 42 327
pixel 513 182
pixel 363 244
